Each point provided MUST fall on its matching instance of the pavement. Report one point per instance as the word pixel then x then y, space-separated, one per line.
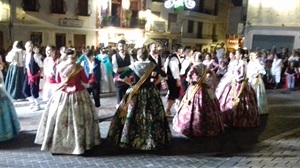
pixel 275 143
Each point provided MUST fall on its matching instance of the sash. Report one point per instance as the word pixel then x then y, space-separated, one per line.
pixel 32 78
pixel 124 105
pixel 258 78
pixel 236 96
pixel 74 72
pixel 186 99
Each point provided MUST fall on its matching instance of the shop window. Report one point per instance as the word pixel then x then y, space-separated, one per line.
pixel 83 8
pixel 58 6
pixel 36 38
pixel 31 5
pixel 190 26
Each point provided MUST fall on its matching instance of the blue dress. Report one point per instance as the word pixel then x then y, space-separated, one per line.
pixel 9 123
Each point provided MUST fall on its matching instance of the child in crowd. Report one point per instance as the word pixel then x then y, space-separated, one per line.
pixel 290 73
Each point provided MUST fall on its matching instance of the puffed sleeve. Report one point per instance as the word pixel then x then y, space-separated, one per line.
pixel 83 76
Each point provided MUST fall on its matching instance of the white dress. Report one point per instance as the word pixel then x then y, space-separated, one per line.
pixel 255 71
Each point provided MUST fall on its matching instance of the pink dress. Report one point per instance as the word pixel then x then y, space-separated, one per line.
pixel 237 98
pixel 199 113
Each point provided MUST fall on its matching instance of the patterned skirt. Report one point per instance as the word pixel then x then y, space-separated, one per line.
pixel 200 116
pixel 69 124
pixel 14 82
pixel 9 123
pixel 245 113
pixel 145 126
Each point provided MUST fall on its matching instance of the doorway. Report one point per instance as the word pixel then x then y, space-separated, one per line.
pixel 60 40
pixel 79 42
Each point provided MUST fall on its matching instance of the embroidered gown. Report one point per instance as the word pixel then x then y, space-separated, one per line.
pixel 255 71
pixel 145 126
pixel 9 123
pixel 237 98
pixel 199 113
pixel 69 124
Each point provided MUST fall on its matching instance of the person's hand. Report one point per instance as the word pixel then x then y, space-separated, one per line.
pixel 178 83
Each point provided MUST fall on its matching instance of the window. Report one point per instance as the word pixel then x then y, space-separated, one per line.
pixel 36 38
pixel 200 27
pixel 158 1
pixel 31 5
pixel 172 19
pixel 83 8
pixel 58 6
pixel 190 26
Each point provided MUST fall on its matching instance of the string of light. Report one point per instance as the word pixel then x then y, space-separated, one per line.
pixel 190 4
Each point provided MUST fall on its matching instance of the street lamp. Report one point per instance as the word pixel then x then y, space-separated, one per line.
pixel 190 4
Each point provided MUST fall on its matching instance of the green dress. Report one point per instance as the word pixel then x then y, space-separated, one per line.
pixel 145 126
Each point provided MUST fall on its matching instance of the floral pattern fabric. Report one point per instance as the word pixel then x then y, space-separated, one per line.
pixel 145 126
pixel 69 124
pixel 245 113
pixel 200 116
pixel 9 123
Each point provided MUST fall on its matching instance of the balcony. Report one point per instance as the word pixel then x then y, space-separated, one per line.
pixel 193 14
pixel 197 39
pixel 115 21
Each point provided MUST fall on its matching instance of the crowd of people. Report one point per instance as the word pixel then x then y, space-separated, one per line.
pixel 209 91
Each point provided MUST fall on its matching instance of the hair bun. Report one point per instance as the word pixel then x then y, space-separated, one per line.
pixel 69 52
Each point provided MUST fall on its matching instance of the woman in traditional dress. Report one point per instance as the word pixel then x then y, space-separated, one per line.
pixel 15 74
pixel 107 81
pixel 9 123
pixel 212 66
pixel 199 112
pixel 69 124
pixel 255 72
pixel 236 97
pixel 140 121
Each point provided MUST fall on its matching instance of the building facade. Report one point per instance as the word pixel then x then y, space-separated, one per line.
pixel 49 22
pixel 91 22
pixel 272 23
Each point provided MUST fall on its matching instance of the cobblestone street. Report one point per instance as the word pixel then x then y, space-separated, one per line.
pixel 276 143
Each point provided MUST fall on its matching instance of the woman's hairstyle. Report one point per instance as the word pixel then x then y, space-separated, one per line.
pixel 142 53
pixel 89 53
pixel 70 53
pixel 198 57
pixel 19 44
pixel 52 47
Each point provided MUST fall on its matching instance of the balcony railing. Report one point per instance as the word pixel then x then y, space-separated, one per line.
pixel 117 22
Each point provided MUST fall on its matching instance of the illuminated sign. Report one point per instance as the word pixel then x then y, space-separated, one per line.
pixel 190 4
